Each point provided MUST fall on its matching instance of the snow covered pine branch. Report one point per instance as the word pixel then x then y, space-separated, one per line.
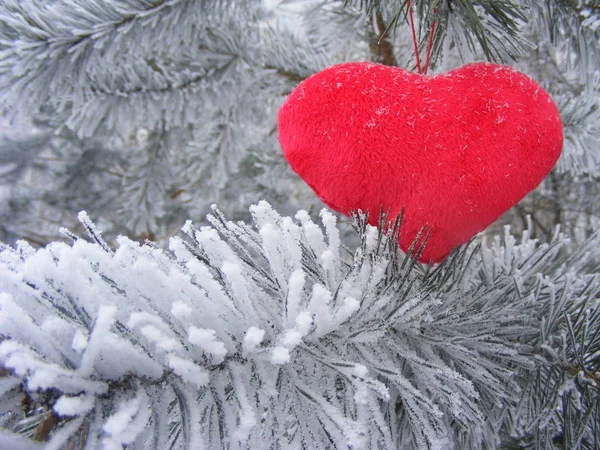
pixel 278 336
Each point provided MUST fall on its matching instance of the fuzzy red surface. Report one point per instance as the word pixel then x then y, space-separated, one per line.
pixel 455 150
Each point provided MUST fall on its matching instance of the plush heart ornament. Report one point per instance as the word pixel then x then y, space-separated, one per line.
pixel 454 150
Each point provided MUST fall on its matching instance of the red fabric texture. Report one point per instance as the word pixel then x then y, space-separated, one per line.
pixel 455 150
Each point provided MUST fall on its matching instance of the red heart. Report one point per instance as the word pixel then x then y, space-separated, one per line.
pixel 454 150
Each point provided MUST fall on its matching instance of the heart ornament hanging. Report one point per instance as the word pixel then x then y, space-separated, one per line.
pixel 454 151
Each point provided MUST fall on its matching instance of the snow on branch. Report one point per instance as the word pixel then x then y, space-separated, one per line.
pixel 581 118
pixel 277 336
pixel 62 56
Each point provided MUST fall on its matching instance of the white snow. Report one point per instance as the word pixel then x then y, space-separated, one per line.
pixel 129 420
pixel 295 294
pixel 161 340
pixel 304 323
pixel 360 370
pixel 207 341
pixel 73 406
pixel 291 338
pixel 188 371
pixel 280 355
pixel 181 310
pixel 80 341
pixel 252 339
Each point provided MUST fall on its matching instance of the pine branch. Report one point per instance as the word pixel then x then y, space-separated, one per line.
pixel 492 25
pixel 276 333
pixel 574 24
pixel 383 48
pixel 236 322
pixel 39 33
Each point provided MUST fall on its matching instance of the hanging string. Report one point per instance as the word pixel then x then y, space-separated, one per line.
pixel 416 44
pixel 429 45
pixel 414 35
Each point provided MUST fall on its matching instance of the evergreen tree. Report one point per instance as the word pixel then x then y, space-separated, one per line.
pixel 259 330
